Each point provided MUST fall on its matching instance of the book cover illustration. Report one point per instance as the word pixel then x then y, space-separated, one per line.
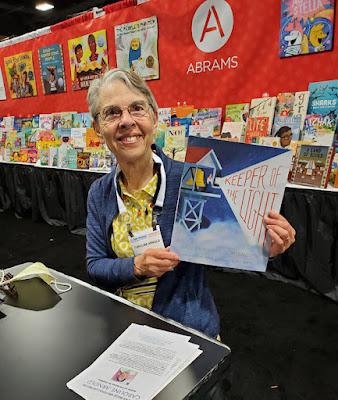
pixel 46 121
pixel 260 117
pixel 175 142
pixel 209 116
pixel 311 165
pixel 83 160
pixel 306 27
pixel 92 140
pixel 237 112
pixel 291 104
pixel 232 131
pixel 2 87
pixel 52 69
pixel 81 120
pixel 287 128
pixel 226 189
pixel 323 97
pixel 136 47
pixel 320 129
pixel 88 56
pixel 164 120
pixel 20 75
pixel 204 131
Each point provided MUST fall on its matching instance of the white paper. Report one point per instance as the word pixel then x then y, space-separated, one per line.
pixel 138 365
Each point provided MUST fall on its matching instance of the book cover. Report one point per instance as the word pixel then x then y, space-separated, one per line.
pixel 88 56
pixel 82 120
pixel 311 165
pixel 43 156
pixel 204 131
pixel 237 112
pixel 306 27
pixel 83 159
pixel 92 140
pixel 175 142
pixel 287 126
pixel 46 121
pixel 78 137
pixel 232 131
pixel 260 117
pixel 334 169
pixel 52 69
pixel 226 189
pixel 136 47
pixel 323 97
pixel 209 116
pixel 71 158
pixel 320 129
pixel 20 75
pixel 290 104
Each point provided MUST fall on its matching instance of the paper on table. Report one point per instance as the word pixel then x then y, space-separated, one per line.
pixel 140 363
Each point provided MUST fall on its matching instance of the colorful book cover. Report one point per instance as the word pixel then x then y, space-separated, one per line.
pixel 52 69
pixel 311 165
pixel 83 159
pixel 53 156
pixel 46 121
pixel 82 120
pixel 232 131
pixel 78 138
pixel 334 170
pixel 97 160
pixel 260 117
pixel 35 121
pixel 204 131
pixel 20 75
pixel 2 87
pixel 8 123
pixel 323 97
pixel 175 142
pixel 92 140
pixel 237 112
pixel 226 189
pixel 291 104
pixel 306 27
pixel 320 129
pixel 88 57
pixel 43 156
pixel 136 47
pixel 71 158
pixel 267 141
pixel 209 116
pixel 287 126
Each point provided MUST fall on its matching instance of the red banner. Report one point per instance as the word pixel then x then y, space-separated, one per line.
pixel 209 55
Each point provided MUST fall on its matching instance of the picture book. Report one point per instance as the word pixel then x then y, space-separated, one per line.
pixel 8 123
pixel 83 159
pixel 290 104
pixel 267 141
pixel 71 158
pixel 334 170
pixel 237 112
pixel 175 142
pixel 53 156
pixel 82 120
pixel 323 97
pixel 78 138
pixel 43 157
pixel 92 140
pixel 209 116
pixel 232 131
pixel 136 47
pixel 320 129
pixel 88 56
pixel 20 75
pixel 52 69
pixel 164 120
pixel 226 189
pixel 35 121
pixel 312 165
pixel 205 131
pixel 287 126
pixel 260 117
pixel 46 121
pixel 306 27
pixel 97 160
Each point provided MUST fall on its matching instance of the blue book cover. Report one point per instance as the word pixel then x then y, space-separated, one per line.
pixel 226 189
pixel 323 97
pixel 52 69
pixel 293 122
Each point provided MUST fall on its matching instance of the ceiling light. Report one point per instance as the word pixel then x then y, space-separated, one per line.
pixel 44 6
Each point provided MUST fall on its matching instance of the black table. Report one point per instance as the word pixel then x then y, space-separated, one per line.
pixel 47 339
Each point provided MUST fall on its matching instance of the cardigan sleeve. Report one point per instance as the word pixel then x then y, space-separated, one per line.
pixel 102 267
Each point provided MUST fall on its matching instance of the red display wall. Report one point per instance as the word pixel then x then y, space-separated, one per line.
pixel 246 66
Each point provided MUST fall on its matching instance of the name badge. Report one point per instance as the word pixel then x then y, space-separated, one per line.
pixel 149 239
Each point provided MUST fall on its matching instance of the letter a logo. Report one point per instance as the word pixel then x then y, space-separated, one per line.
pixel 212 25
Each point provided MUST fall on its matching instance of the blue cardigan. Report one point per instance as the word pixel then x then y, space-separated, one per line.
pixel 182 294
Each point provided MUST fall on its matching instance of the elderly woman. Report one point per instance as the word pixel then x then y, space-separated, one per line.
pixel 136 196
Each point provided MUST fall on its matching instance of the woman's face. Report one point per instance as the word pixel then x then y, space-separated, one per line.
pixel 128 138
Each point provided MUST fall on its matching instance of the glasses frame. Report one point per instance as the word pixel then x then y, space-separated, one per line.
pixel 114 120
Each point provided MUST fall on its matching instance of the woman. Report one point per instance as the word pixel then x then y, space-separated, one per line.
pixel 139 194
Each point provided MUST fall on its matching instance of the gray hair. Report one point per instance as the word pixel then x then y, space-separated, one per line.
pixel 129 78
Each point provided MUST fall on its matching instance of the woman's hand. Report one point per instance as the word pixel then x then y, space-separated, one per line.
pixel 281 233
pixel 155 262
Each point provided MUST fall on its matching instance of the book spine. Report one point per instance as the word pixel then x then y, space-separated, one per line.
pixel 327 170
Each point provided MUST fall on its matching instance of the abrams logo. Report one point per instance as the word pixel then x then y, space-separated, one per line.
pixel 212 25
pixel 211 28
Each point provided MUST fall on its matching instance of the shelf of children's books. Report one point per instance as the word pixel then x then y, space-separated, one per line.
pixel 328 189
pixel 37 165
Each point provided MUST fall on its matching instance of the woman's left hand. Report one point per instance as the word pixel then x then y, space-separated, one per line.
pixel 281 233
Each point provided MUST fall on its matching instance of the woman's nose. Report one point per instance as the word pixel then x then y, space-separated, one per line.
pixel 126 119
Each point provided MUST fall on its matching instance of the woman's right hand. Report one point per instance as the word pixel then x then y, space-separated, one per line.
pixel 155 262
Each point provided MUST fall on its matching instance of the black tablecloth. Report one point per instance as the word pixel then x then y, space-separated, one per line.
pixel 59 197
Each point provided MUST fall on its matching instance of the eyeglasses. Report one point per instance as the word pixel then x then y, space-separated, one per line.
pixel 138 109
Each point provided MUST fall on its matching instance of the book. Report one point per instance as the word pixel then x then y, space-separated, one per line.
pixel 52 69
pixel 226 189
pixel 260 117
pixel 83 159
pixel 175 142
pixel 46 121
pixel 237 112
pixel 206 131
pixel 312 165
pixel 210 117
pixel 232 131
pixel 282 124
pixel 81 120
pixel 291 104
pixel 306 27
pixel 136 47
pixel 334 169
pixel 323 97
pixel 320 129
